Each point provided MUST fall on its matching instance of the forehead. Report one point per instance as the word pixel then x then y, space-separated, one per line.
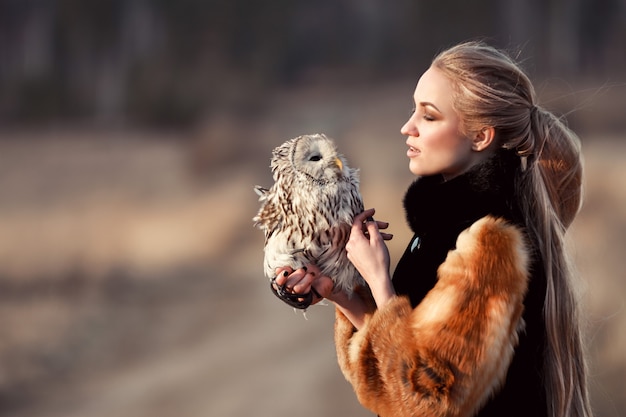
pixel 435 88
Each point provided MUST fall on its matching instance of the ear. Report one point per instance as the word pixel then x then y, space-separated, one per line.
pixel 483 138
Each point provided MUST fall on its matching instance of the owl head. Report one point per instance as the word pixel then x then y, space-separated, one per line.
pixel 314 156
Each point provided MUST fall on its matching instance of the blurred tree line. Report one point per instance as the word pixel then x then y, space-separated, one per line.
pixel 169 63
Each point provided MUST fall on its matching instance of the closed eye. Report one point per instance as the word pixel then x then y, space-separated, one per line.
pixel 315 158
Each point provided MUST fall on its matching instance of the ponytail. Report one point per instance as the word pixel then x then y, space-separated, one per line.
pixel 552 190
pixel 559 164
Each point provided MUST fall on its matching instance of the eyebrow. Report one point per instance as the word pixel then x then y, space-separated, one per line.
pixel 429 104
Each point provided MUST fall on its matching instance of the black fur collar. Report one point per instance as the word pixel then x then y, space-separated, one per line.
pixel 431 203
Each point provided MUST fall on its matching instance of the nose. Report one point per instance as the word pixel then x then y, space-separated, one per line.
pixel 409 128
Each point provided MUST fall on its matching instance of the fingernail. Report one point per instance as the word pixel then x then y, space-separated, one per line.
pixel 285 273
pixel 369 219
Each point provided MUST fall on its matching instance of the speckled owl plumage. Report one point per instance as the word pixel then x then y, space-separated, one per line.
pixel 307 214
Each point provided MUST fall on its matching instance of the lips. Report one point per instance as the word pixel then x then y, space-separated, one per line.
pixel 412 152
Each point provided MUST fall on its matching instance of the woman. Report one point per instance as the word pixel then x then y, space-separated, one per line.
pixel 480 317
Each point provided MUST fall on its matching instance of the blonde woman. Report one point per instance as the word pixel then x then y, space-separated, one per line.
pixel 480 317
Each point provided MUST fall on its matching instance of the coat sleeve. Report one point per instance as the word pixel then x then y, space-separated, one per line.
pixel 450 353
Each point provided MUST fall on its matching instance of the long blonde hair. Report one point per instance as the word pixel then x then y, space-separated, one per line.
pixel 492 90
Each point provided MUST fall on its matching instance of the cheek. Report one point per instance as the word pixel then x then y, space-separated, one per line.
pixel 446 141
pixel 449 150
pixel 454 142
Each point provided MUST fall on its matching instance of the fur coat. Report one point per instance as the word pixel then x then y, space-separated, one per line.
pixel 450 341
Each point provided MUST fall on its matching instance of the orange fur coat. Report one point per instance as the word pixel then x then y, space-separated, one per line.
pixel 450 353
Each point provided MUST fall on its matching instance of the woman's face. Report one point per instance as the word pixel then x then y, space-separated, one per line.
pixel 436 143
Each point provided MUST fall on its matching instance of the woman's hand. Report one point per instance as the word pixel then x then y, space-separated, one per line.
pixel 305 280
pixel 309 278
pixel 369 254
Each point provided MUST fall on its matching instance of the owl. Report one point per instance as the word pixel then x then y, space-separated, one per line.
pixel 307 214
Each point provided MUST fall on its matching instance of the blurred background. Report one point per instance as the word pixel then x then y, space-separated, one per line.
pixel 133 131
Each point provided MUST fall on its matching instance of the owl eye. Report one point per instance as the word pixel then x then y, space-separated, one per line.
pixel 315 158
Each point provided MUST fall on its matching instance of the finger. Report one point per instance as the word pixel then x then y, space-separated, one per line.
pixel 372 227
pixel 295 278
pixel 387 236
pixel 382 225
pixel 304 285
pixel 288 276
pixel 279 271
pixel 360 218
pixel 282 274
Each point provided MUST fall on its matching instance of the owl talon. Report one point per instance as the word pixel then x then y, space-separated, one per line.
pixel 299 301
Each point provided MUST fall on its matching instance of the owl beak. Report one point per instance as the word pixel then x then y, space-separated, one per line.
pixel 339 163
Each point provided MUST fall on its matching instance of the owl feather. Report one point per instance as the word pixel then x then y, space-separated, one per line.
pixel 307 214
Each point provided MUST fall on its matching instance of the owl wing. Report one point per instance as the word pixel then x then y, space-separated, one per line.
pixel 268 218
pixel 261 191
pixel 330 245
pixel 329 253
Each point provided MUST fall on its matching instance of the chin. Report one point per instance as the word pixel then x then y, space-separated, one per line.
pixel 415 169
